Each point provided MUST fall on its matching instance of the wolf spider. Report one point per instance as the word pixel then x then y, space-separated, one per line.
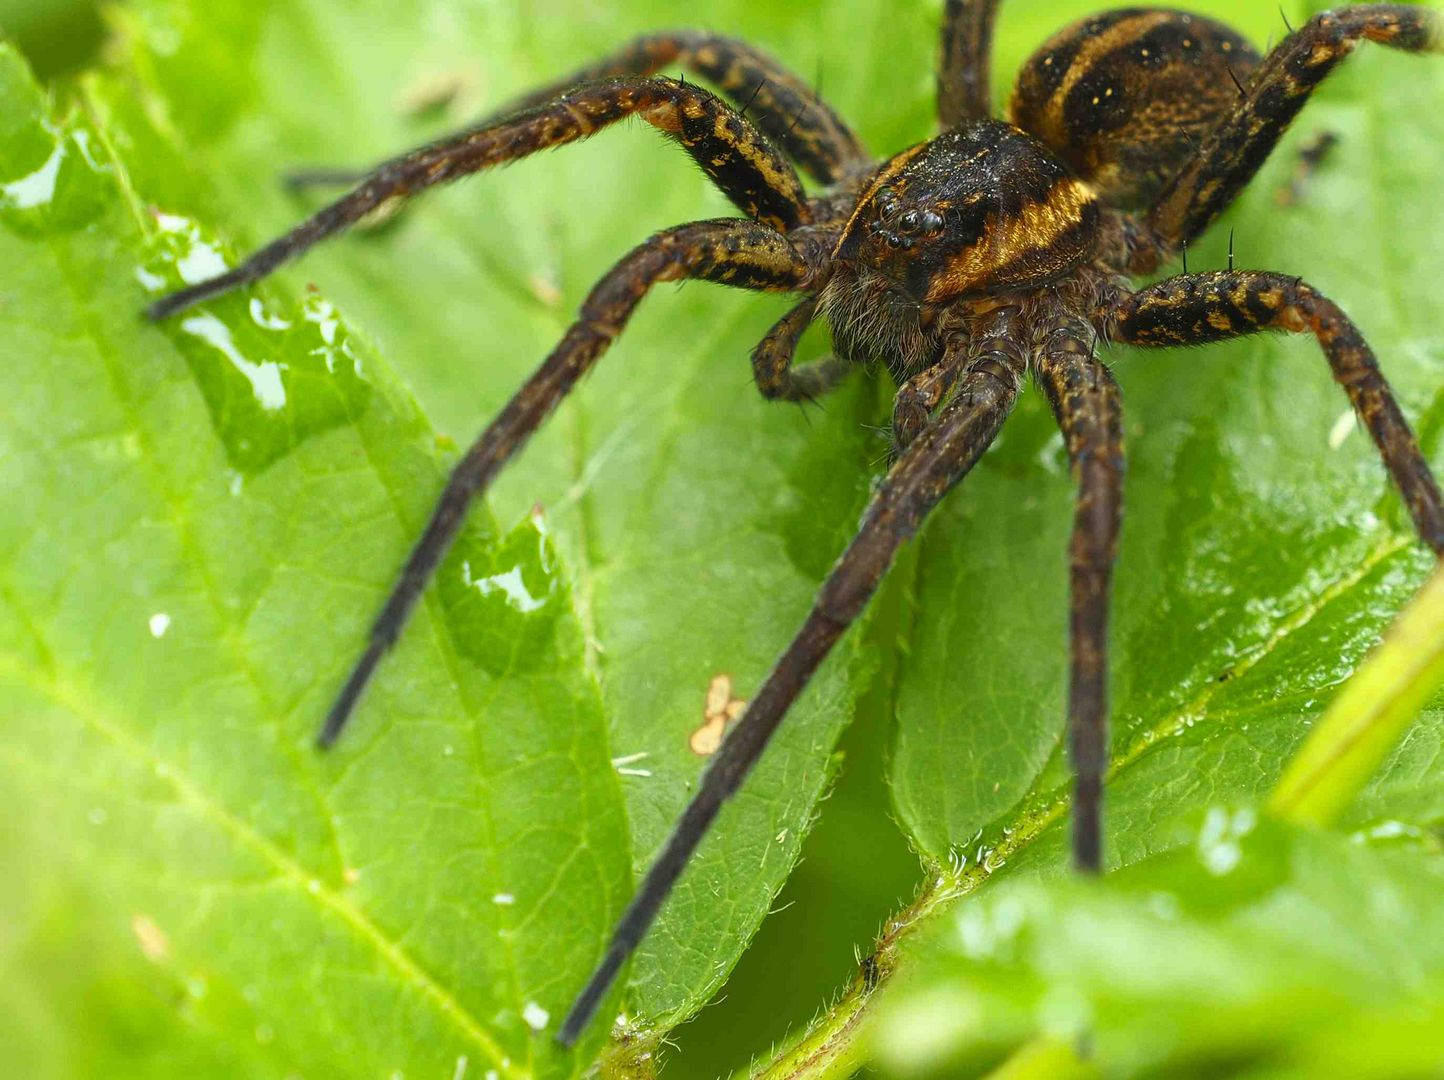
pixel 961 264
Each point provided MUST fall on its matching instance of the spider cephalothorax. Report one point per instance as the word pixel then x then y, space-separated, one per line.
pixel 962 264
pixel 981 210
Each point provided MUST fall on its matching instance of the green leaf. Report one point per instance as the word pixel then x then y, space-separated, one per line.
pixel 692 521
pixel 695 519
pixel 1263 551
pixel 198 519
pixel 1260 950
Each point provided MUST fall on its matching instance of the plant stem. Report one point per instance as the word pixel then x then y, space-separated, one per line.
pixel 831 1048
pixel 1369 717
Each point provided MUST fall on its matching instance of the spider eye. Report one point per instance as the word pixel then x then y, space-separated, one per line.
pixel 886 201
pixel 931 222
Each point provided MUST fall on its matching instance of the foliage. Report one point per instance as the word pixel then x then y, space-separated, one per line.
pixel 202 517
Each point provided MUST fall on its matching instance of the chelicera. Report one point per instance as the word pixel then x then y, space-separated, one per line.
pixel 963 264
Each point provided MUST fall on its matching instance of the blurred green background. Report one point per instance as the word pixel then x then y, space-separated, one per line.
pixel 59 36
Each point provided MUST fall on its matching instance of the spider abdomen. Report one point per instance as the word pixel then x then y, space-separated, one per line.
pixel 1125 97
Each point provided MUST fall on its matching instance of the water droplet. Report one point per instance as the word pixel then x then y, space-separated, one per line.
pixel 264 376
pixel 503 898
pixel 151 283
pixel 159 624
pixel 264 319
pixel 1220 841
pixel 36 189
pixel 509 583
pixel 58 184
pixel 535 1016
pixel 269 382
pixel 503 599
pixel 200 263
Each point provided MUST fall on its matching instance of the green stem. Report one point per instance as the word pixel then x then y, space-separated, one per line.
pixel 832 1047
pixel 1369 717
pixel 830 1050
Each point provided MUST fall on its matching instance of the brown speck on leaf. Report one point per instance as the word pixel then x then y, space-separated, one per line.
pixel 545 289
pixel 721 709
pixel 154 945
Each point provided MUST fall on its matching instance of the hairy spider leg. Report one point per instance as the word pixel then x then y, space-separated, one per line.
pixel 1196 309
pixel 965 89
pixel 731 252
pixel 789 111
pixel 1089 412
pixel 922 476
pixel 781 104
pixel 916 400
pixel 772 368
pixel 1231 155
pixel 734 154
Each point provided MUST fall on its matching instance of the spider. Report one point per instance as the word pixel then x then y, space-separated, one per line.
pixel 963 264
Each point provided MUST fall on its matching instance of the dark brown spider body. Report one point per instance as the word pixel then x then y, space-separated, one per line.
pixel 1125 97
pixel 982 210
pixel 962 265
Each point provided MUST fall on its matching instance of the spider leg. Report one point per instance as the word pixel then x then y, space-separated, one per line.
pixel 733 153
pixel 1199 308
pixel 1233 152
pixel 913 405
pixel 1086 404
pixel 932 465
pixel 788 110
pixel 772 368
pixel 781 104
pixel 742 253
pixel 965 90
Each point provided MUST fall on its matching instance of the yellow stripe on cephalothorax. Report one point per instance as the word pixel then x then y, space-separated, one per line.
pixel 1012 239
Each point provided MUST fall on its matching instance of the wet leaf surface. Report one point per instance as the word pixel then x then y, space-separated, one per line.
pixel 196 518
pixel 668 529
